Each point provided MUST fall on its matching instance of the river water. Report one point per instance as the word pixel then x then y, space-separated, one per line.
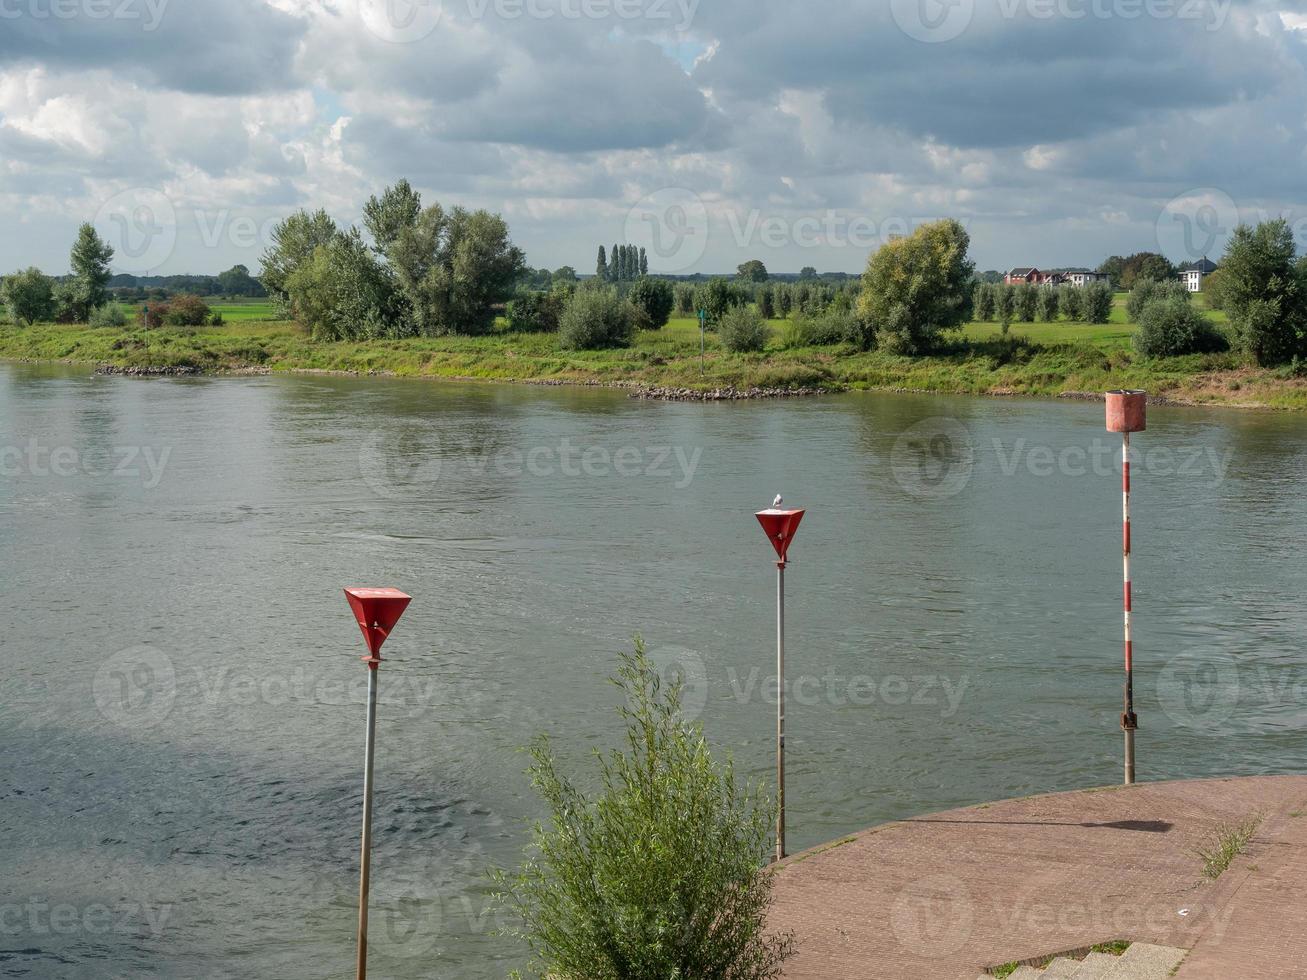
pixel 181 704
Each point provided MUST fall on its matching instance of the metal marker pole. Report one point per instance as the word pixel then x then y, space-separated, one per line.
pixel 780 710
pixel 1129 722
pixel 703 326
pixel 365 859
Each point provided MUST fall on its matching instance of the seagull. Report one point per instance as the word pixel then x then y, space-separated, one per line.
pixel 776 504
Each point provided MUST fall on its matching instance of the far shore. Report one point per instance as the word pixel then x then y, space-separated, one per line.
pixel 1034 360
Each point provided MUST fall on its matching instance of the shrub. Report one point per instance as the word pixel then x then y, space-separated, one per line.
pixel 187 311
pixel 983 303
pixel 661 872
pixel 533 312
pixel 742 330
pixel 1147 290
pixel 655 298
pixel 594 319
pixel 766 307
pixel 108 315
pixel 1170 326
pixel 832 327
pixel 1096 305
pixel 28 296
pixel 1005 303
pixel 1048 304
pixel 784 299
pixel 154 319
pixel 1264 291
pixel 684 293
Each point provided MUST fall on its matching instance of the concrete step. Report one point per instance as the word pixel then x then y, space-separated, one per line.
pixel 1094 967
pixel 1060 969
pixel 1143 961
pixel 1025 973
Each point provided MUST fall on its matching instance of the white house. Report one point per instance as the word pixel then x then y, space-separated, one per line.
pixel 1083 277
pixel 1193 274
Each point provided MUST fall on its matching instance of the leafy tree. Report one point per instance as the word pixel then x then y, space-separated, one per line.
pixel 644 262
pixel 1113 268
pixel 614 265
pixel 294 241
pixel 741 330
pixel 387 216
pixel 716 296
pixel 753 271
pixel 595 319
pixel 29 296
pixel 452 267
pixel 766 304
pixel 1214 290
pixel 237 281
pixel 655 298
pixel 684 293
pixel 1145 265
pixel 1096 307
pixel 1147 290
pixel 344 292
pixel 1071 302
pixel 1027 301
pixel 1005 302
pixel 187 311
pixel 983 303
pixel 807 272
pixel 108 315
pixel 918 286
pixel 1264 291
pixel 784 299
pixel 90 258
pixel 1169 326
pixel 660 874
pixel 564 274
pixel 601 267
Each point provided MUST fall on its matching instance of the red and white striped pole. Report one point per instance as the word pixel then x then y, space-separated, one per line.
pixel 1126 413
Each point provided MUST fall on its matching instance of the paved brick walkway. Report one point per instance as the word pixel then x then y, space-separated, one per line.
pixel 946 895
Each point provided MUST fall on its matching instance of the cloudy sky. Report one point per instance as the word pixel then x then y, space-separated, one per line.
pixel 801 132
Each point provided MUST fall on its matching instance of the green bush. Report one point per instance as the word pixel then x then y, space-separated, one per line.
pixel 982 303
pixel 655 298
pixel 595 319
pixel 831 327
pixel 1049 303
pixel 1147 290
pixel 658 875
pixel 535 312
pixel 717 296
pixel 1170 326
pixel 741 330
pixel 186 311
pixel 1027 298
pixel 108 315
pixel 1070 301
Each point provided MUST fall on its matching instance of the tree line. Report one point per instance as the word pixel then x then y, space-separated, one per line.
pixel 1028 303
pixel 625 263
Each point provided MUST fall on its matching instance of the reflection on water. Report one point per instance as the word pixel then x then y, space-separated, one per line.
pixel 181 704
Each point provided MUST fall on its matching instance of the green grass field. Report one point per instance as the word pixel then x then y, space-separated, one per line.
pixel 1038 359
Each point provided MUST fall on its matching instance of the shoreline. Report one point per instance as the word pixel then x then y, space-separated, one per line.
pixel 635 389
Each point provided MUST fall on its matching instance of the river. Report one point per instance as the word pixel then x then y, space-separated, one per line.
pixel 181 704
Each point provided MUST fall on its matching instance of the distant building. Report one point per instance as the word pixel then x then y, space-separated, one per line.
pixel 1024 274
pixel 1193 274
pixel 1083 277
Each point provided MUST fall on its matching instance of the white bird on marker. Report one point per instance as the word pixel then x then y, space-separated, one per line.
pixel 776 504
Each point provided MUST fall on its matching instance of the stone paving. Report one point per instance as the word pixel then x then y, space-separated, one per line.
pixel 950 894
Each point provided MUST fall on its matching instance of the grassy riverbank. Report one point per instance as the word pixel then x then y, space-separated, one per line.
pixel 1036 359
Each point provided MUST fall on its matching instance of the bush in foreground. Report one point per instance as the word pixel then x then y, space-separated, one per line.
pixel 595 319
pixel 660 873
pixel 28 296
pixel 655 298
pixel 742 330
pixel 1170 326
pixel 1147 290
pixel 535 312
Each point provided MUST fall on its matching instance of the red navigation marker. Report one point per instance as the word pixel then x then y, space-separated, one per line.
pixel 780 527
pixel 377 612
pixel 1127 411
